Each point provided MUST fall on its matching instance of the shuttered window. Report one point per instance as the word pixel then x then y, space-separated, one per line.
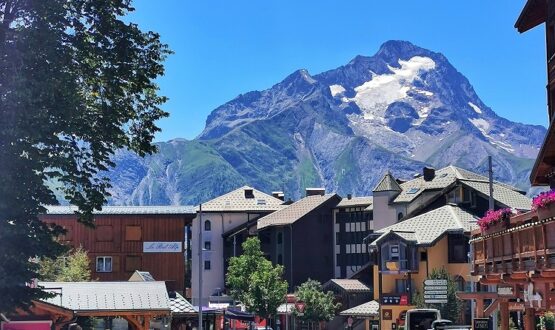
pixel 133 233
pixel 133 263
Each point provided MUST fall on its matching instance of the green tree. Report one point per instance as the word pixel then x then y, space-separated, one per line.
pixel 73 266
pixel 453 309
pixel 319 305
pixel 253 280
pixel 77 83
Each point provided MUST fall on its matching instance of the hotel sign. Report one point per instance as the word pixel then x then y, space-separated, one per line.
pixel 162 247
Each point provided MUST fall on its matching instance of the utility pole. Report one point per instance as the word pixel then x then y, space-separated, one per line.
pixel 200 266
pixel 490 170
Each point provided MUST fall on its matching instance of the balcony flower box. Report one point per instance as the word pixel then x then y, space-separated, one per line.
pixel 544 205
pixel 495 221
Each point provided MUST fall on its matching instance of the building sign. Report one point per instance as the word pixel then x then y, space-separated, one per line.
pixel 505 290
pixel 162 247
pixel 26 325
pixel 481 324
pixel 387 314
pixel 391 300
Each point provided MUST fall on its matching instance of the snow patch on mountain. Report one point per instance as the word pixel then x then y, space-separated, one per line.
pixel 475 107
pixel 336 90
pixel 375 95
pixel 480 124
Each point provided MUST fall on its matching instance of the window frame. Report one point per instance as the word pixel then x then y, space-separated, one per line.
pixel 208 245
pixel 104 258
pixel 207 225
pixel 207 265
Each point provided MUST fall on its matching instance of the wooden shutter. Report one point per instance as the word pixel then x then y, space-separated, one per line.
pixel 104 233
pixel 132 263
pixel 115 264
pixel 133 233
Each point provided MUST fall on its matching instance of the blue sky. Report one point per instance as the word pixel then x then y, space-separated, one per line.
pixel 224 48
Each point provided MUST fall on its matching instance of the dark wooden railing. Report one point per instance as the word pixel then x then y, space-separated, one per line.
pixel 527 244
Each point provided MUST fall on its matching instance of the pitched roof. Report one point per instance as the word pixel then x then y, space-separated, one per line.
pixel 121 210
pixel 348 285
pixel 508 197
pixel 113 296
pixel 426 228
pixel 443 178
pixel 180 305
pixel 387 183
pixel 141 276
pixel 371 308
pixel 294 212
pixel 356 201
pixel 236 201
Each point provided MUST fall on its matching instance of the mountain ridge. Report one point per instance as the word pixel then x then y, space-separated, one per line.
pixel 401 109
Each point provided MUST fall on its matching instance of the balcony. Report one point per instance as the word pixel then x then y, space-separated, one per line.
pixel 526 244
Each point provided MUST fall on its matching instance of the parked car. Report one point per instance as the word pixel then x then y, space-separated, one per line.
pixel 421 319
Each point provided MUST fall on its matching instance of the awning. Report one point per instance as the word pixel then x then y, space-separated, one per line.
pixel 238 315
pixel 369 309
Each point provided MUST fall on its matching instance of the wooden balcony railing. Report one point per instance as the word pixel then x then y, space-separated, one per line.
pixel 527 244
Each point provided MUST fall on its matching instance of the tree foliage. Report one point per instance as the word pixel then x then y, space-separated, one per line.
pixel 77 83
pixel 319 305
pixel 453 309
pixel 254 281
pixel 73 266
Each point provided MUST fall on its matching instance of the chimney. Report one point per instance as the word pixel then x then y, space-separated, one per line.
pixel 278 195
pixel 429 173
pixel 315 191
pixel 249 193
pixel 349 196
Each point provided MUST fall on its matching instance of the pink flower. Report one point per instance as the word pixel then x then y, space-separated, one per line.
pixel 543 200
pixel 494 217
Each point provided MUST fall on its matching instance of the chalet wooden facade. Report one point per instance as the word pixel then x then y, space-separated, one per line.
pixel 518 256
pixel 127 239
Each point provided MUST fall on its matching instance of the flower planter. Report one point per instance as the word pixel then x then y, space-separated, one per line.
pixel 546 212
pixel 495 228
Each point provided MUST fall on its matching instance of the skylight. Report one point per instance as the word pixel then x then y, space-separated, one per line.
pixel 260 202
pixel 413 190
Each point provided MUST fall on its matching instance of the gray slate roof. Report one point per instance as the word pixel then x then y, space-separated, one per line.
pixel 348 285
pixel 293 212
pixel 356 201
pixel 235 201
pixel 425 229
pixel 180 305
pixel 113 296
pixel 125 210
pixel 387 183
pixel 508 197
pixel 369 309
pixel 443 178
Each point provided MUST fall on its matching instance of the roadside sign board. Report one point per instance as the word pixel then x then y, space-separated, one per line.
pixel 435 282
pixel 435 296
pixel 435 292
pixel 435 287
pixel 435 301
pixel 481 324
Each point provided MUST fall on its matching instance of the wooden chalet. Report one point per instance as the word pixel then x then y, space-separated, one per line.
pixel 518 256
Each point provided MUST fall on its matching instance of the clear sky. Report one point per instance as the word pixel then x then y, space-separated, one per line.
pixel 224 48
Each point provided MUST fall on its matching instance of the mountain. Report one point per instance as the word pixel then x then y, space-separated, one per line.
pixel 403 108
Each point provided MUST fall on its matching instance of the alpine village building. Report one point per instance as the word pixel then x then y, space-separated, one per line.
pixel 518 255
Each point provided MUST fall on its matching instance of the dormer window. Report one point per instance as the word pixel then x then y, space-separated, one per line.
pixel 249 193
pixel 394 252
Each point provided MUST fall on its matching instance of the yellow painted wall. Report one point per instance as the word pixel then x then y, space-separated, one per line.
pixel 437 258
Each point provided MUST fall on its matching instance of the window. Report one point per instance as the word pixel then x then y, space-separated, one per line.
pixel 399 216
pixel 103 264
pixel 208 245
pixel 394 252
pixel 207 265
pixel 207 225
pixel 458 248
pixel 104 233
pixel 413 191
pixel 423 256
pixel 260 202
pixel 133 233
pixel 132 263
pixel 402 285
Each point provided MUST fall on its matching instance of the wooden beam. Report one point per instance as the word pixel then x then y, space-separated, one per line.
pixel 504 311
